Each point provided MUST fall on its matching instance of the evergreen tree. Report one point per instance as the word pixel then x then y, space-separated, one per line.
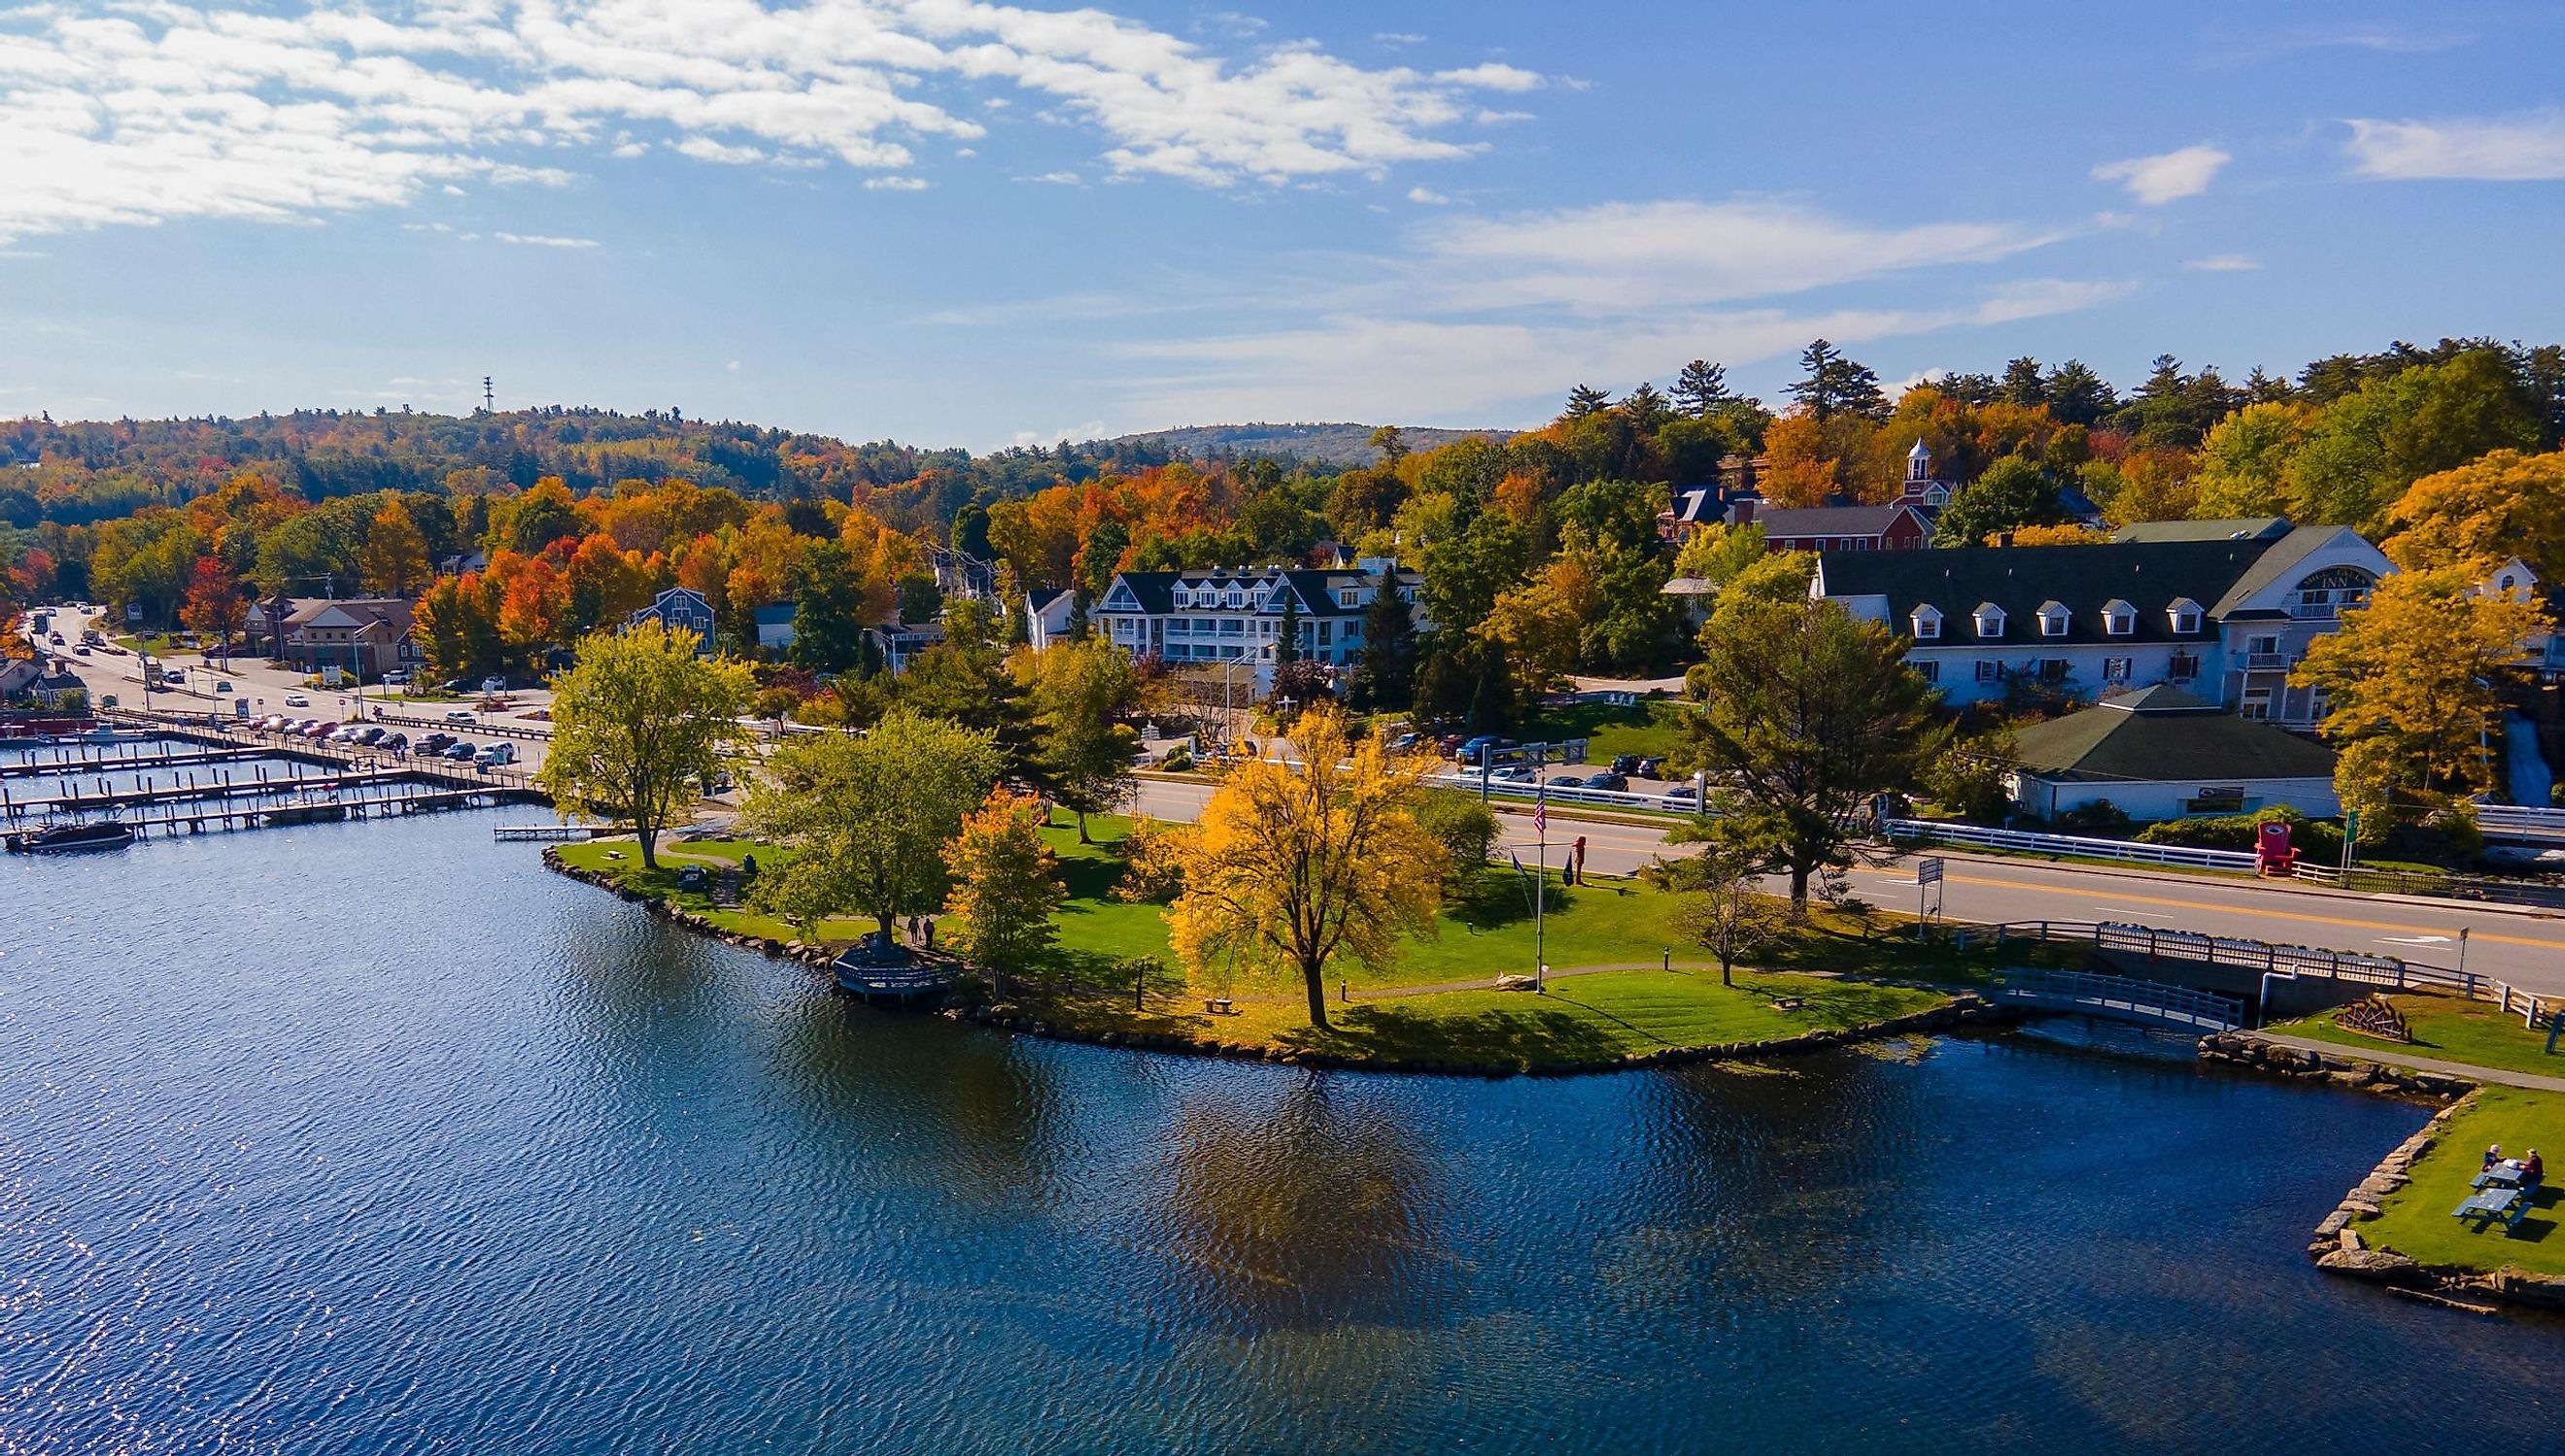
pixel 1702 386
pixel 1836 385
pixel 1286 646
pixel 1384 674
pixel 1646 410
pixel 2022 385
pixel 1585 400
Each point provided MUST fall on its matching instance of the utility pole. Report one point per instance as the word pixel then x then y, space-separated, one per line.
pixel 1541 879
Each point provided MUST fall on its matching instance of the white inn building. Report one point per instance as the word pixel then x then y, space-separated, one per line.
pixel 2221 616
pixel 1236 614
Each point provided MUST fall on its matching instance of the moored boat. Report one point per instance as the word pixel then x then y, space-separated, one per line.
pixel 63 838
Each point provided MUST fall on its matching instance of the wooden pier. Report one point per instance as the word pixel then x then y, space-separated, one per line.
pixel 70 761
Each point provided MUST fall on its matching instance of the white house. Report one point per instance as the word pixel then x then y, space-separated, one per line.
pixel 2162 753
pixel 2225 619
pixel 1046 616
pixel 1236 614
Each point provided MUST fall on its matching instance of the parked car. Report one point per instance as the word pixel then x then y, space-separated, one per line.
pixel 1625 763
pixel 81 650
pixel 435 743
pixel 173 675
pixel 1680 796
pixel 397 742
pixel 1447 744
pixel 369 735
pixel 1649 769
pixel 222 687
pixel 1568 780
pixel 320 730
pixel 496 756
pixel 1512 773
pixel 297 699
pixel 462 752
pixel 1612 782
pixel 397 678
pixel 1402 743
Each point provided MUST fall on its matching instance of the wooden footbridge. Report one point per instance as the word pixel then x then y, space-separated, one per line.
pixel 2120 998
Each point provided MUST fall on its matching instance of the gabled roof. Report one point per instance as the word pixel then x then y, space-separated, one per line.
pixel 1869 521
pixel 1314 590
pixel 2233 529
pixel 2150 575
pixel 2165 736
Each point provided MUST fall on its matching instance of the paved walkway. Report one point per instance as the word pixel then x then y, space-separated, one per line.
pixel 2472 1073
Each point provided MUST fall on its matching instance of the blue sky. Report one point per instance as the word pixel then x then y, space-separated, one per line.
pixel 956 223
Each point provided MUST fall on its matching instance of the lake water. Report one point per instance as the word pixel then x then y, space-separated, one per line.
pixel 374 1137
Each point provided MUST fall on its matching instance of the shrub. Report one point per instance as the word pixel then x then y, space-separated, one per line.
pixel 1179 760
pixel 1464 826
pixel 1153 862
pixel 2319 840
pixel 2100 817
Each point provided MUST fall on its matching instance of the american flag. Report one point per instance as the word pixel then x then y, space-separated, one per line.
pixel 1541 818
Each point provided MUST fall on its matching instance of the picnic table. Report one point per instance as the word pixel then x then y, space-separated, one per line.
pixel 2511 1172
pixel 2506 1204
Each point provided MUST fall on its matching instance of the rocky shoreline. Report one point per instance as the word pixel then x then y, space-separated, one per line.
pixel 2337 1245
pixel 1963 1010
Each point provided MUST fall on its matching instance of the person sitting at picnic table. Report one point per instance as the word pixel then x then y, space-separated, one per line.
pixel 2532 1169
pixel 2493 1156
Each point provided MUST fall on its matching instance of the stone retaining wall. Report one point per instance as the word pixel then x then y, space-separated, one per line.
pixel 2338 1069
pixel 1963 1010
pixel 2337 1245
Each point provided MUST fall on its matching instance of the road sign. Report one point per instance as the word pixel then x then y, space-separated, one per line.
pixel 1928 871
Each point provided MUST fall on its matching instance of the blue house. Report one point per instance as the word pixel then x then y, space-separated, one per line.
pixel 681 609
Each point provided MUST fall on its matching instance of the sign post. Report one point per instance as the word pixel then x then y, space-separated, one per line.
pixel 1928 873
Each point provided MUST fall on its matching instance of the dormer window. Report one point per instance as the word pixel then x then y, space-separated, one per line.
pixel 1927 622
pixel 2053 618
pixel 1990 619
pixel 1237 598
pixel 2184 614
pixel 2119 618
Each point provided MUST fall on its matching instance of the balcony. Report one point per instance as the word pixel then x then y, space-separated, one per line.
pixel 2269 661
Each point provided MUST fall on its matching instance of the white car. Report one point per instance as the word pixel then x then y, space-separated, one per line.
pixel 461 715
pixel 297 699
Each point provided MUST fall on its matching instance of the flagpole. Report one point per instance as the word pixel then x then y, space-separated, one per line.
pixel 1541 879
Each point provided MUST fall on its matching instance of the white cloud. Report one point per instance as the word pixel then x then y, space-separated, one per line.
pixel 1478 314
pixel 1428 196
pixel 2168 177
pixel 157 109
pixel 542 240
pixel 1062 179
pixel 896 184
pixel 2224 263
pixel 2525 148
pixel 1493 76
pixel 1621 256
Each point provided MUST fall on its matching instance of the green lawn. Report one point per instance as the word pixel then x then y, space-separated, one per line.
pixel 1582 1019
pixel 2415 1220
pixel 2452 1030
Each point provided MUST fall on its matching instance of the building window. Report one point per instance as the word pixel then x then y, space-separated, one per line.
pixel 1990 620
pixel 2053 670
pixel 2182 667
pixel 2119 618
pixel 1237 598
pixel 2258 705
pixel 1346 596
pixel 1326 634
pixel 1986 670
pixel 1929 671
pixel 2053 619
pixel 2184 613
pixel 2116 669
pixel 1927 622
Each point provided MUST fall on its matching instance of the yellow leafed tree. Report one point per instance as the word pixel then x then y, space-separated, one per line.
pixel 1295 863
pixel 2504 505
pixel 2412 683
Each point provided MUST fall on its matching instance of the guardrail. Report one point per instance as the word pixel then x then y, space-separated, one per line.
pixel 1675 802
pixel 2522 819
pixel 2386 973
pixel 2034 842
pixel 477 725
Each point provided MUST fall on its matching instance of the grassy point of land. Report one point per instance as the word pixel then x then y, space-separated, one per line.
pixel 2416 1220
pixel 1817 971
pixel 2448 1029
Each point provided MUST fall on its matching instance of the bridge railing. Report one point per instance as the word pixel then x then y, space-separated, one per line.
pixel 2121 997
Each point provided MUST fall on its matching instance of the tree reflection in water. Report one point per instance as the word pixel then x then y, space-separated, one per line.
pixel 1320 1212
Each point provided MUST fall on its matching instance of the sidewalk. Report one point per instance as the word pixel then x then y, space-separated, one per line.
pixel 2468 1070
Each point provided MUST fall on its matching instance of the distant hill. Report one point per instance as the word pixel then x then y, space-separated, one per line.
pixel 1332 444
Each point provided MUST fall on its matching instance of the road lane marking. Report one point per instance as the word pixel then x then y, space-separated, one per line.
pixel 2280 915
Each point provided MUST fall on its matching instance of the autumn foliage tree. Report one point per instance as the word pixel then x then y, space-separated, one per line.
pixel 2413 683
pixel 215 606
pixel 1005 882
pixel 1294 865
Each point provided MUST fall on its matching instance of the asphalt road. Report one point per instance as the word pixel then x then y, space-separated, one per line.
pixel 2526 951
